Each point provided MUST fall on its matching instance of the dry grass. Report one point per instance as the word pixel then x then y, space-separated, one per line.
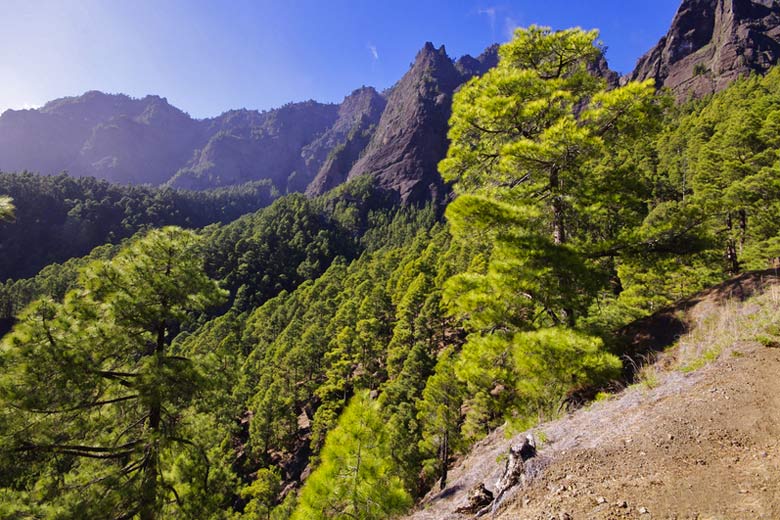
pixel 756 319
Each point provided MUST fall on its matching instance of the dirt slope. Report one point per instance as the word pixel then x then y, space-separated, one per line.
pixel 698 437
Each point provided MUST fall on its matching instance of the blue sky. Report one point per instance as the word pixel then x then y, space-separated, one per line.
pixel 208 56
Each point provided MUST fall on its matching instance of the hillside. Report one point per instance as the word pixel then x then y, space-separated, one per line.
pixel 695 437
pixel 60 217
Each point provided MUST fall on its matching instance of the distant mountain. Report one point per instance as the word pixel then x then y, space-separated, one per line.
pixel 711 43
pixel 113 137
pixel 398 136
pixel 244 145
pixel 148 141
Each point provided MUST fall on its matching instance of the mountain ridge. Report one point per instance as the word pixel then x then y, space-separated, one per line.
pixel 398 135
pixel 301 147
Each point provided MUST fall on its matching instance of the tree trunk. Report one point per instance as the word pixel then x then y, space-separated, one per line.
pixel 559 229
pixel 444 458
pixel 559 235
pixel 732 258
pixel 742 230
pixel 149 487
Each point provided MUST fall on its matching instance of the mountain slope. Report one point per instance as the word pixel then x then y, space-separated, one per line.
pixel 330 156
pixel 691 440
pixel 711 43
pixel 113 137
pixel 247 145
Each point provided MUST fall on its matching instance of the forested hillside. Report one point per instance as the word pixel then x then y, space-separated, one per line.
pixel 61 217
pixel 330 357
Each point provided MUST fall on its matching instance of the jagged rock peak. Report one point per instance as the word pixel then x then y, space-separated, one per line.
pixel 600 68
pixel 410 138
pixel 364 99
pixel 429 48
pixel 402 148
pixel 469 66
pixel 711 43
pixel 429 57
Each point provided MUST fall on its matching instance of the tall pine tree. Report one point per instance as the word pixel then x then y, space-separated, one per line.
pixel 89 386
pixel 541 159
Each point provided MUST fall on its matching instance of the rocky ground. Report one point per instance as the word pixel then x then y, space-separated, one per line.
pixel 697 437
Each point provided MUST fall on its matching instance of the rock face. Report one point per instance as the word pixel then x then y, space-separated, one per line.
pixel 711 43
pixel 246 145
pixel 411 136
pixel 329 158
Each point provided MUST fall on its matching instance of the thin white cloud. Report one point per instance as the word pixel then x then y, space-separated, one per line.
pixel 490 12
pixel 30 106
pixel 510 24
pixel 374 52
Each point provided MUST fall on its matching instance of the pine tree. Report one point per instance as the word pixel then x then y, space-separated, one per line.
pixel 439 413
pixel 262 494
pixel 355 477
pixel 91 386
pixel 530 158
pixel 542 159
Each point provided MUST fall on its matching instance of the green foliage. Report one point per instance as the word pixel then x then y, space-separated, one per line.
pixel 539 156
pixel 90 388
pixel 355 478
pixel 6 208
pixel 729 160
pixel 262 494
pixel 439 414
pixel 552 362
pixel 52 281
pixel 544 160
pixel 370 342
pixel 700 69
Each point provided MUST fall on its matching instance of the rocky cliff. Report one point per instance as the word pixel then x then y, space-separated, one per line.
pixel 330 157
pixel 411 136
pixel 711 43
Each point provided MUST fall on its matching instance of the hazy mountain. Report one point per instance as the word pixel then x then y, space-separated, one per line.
pixel 245 145
pixel 113 137
pixel 398 136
